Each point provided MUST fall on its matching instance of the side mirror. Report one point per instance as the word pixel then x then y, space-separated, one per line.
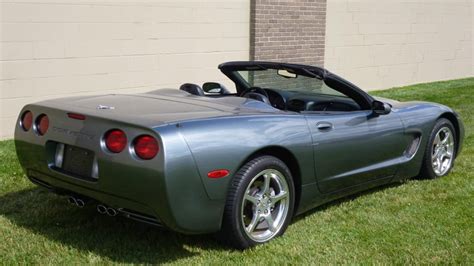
pixel 381 108
pixel 214 88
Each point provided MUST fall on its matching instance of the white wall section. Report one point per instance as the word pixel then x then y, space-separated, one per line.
pixel 379 44
pixel 63 48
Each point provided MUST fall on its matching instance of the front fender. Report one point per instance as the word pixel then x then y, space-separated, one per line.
pixel 420 117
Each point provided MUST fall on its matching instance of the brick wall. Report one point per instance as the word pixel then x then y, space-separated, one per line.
pixel 52 48
pixel 387 43
pixel 288 31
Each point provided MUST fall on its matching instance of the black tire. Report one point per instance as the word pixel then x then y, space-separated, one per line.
pixel 233 230
pixel 427 171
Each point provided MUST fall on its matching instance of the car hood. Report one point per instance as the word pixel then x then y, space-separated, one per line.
pixel 158 107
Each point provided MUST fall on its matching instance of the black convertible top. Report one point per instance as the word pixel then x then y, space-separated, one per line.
pixel 305 70
pixel 331 79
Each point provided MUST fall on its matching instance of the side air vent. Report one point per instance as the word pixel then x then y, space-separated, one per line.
pixel 413 146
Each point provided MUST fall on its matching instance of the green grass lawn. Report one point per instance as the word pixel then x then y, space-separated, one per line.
pixel 415 222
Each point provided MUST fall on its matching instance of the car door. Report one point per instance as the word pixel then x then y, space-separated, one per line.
pixel 355 147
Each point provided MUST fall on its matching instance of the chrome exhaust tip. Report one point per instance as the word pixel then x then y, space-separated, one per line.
pixel 101 209
pixel 72 200
pixel 111 212
pixel 80 203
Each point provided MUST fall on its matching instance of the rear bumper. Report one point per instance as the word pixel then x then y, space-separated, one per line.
pixel 180 205
pixel 129 208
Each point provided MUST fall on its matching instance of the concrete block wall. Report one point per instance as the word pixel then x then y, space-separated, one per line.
pixel 386 43
pixel 52 48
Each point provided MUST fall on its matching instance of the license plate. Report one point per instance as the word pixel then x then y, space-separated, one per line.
pixel 78 161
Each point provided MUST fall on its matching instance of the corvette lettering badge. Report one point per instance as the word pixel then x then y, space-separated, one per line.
pixel 105 107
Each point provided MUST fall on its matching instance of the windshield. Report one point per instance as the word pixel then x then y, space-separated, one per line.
pixel 286 80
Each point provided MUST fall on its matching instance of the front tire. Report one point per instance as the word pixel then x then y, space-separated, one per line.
pixel 440 151
pixel 259 203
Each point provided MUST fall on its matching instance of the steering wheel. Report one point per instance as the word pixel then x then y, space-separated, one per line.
pixel 256 93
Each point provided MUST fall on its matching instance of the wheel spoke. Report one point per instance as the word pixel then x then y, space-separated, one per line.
pixel 446 137
pixel 280 196
pixel 449 154
pixel 441 155
pixel 255 219
pixel 270 222
pixel 437 140
pixel 266 183
pixel 436 166
pixel 444 155
pixel 437 152
pixel 252 199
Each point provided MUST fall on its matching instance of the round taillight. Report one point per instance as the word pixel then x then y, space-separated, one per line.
pixel 146 147
pixel 42 124
pixel 115 140
pixel 26 120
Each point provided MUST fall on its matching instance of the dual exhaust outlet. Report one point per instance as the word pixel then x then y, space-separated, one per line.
pixel 102 209
pixel 79 202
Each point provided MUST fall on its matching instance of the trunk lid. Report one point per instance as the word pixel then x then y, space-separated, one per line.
pixel 147 109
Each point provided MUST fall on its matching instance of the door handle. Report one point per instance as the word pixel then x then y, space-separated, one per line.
pixel 324 126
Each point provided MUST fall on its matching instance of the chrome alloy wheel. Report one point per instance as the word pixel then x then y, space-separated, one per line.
pixel 443 151
pixel 265 205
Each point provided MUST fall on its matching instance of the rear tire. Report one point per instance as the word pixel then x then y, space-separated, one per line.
pixel 259 204
pixel 440 151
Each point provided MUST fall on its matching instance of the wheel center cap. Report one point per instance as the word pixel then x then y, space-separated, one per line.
pixel 264 203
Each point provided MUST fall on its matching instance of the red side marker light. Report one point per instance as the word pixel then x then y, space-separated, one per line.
pixel 76 116
pixel 218 173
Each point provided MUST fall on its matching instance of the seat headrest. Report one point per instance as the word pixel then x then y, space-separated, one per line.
pixel 192 88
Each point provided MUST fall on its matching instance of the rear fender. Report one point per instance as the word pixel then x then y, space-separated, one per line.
pixel 226 143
